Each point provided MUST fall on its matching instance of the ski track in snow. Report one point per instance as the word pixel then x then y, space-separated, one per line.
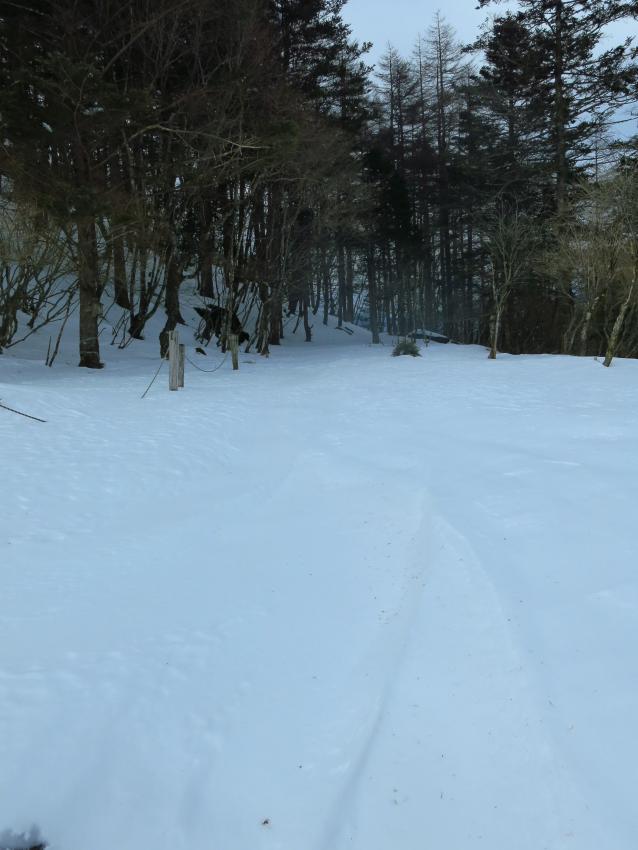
pixel 339 600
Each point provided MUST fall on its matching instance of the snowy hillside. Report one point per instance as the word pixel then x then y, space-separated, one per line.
pixel 334 600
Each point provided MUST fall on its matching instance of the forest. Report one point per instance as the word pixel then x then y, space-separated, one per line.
pixel 264 585
pixel 486 191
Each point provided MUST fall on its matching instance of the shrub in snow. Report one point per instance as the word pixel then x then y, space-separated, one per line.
pixel 406 346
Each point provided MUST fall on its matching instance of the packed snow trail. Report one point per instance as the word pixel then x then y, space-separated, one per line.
pixel 335 600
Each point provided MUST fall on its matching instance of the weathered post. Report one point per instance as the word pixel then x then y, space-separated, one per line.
pixel 173 360
pixel 181 349
pixel 233 343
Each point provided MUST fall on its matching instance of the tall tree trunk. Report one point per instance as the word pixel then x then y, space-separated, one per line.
pixel 119 274
pixel 584 332
pixel 372 294
pixel 496 328
pixel 560 109
pixel 341 279
pixel 119 262
pixel 276 325
pixel 171 301
pixel 349 293
pixel 499 305
pixel 206 250
pixel 306 323
pixel 89 287
pixel 325 274
pixel 612 345
pixel 263 323
pixel 468 332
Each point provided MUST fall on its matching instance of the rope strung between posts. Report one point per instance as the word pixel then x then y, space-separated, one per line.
pixel 208 371
pixel 159 369
pixel 20 413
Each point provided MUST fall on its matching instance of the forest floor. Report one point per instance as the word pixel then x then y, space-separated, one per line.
pixel 334 600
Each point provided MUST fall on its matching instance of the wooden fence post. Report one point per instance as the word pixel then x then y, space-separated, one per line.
pixel 181 349
pixel 233 343
pixel 173 360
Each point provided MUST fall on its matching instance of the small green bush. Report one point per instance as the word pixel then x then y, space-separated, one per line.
pixel 406 346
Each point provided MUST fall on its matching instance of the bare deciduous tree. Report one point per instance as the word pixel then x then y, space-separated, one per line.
pixel 509 239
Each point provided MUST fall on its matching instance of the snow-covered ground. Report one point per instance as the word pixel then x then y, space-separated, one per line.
pixel 335 600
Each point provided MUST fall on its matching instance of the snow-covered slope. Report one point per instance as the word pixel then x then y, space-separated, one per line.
pixel 335 600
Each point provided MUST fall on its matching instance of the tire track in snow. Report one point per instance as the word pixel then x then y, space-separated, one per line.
pixel 378 669
pixel 462 732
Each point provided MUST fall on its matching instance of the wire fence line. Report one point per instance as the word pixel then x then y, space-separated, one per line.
pixel 208 371
pixel 159 369
pixel 21 413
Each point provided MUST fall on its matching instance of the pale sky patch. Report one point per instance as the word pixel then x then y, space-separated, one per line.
pixel 399 22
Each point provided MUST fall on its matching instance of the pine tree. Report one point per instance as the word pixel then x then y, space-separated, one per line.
pixel 548 53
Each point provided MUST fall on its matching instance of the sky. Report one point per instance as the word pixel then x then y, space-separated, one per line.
pixel 400 21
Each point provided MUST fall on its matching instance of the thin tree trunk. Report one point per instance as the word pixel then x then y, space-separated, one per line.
pixel 499 304
pixel 306 324
pixel 617 328
pixel 372 295
pixel 584 331
pixel 560 109
pixel 263 324
pixel 325 274
pixel 89 287
pixel 276 331
pixel 495 332
pixel 349 293
pixel 341 280
pixel 119 274
pixel 171 302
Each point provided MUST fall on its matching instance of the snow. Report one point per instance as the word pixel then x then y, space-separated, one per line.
pixel 334 600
